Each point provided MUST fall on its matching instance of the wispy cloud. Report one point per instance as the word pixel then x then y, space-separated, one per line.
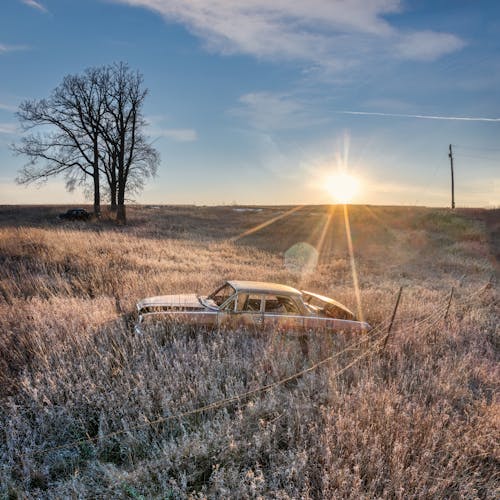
pixel 267 111
pixel 330 34
pixel 157 130
pixel 176 134
pixel 425 117
pixel 8 128
pixel 4 48
pixel 35 5
pixel 427 45
pixel 7 107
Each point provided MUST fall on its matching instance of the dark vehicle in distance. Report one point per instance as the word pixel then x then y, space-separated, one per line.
pixel 252 304
pixel 75 214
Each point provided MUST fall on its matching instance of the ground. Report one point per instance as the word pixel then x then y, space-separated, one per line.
pixel 89 409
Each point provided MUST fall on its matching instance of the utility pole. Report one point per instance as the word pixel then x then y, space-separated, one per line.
pixel 450 155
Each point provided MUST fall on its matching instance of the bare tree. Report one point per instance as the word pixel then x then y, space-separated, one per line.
pixel 144 165
pixel 130 159
pixel 70 122
pixel 91 125
pixel 109 159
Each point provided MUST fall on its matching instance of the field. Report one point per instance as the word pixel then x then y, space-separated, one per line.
pixel 89 409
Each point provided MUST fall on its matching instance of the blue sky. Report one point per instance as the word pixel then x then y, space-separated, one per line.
pixel 256 102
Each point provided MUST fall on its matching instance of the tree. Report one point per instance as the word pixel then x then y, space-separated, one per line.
pixel 144 164
pixel 92 125
pixel 71 121
pixel 129 158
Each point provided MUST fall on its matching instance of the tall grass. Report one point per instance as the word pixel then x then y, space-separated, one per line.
pixel 79 388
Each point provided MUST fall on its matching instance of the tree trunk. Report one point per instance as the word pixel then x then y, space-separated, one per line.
pixel 96 178
pixel 112 196
pixel 121 216
pixel 97 194
pixel 112 182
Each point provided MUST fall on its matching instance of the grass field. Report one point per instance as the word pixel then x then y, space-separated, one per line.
pixel 89 409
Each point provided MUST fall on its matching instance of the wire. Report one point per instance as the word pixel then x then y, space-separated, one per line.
pixel 266 388
pixel 220 403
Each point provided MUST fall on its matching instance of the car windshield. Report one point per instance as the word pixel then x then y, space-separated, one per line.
pixel 222 294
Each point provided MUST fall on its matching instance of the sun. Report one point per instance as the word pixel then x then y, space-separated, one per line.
pixel 342 187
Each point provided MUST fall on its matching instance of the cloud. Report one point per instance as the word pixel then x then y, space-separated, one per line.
pixel 427 45
pixel 332 35
pixel 157 130
pixel 4 48
pixel 7 107
pixel 273 111
pixel 35 5
pixel 177 134
pixel 8 128
pixel 425 117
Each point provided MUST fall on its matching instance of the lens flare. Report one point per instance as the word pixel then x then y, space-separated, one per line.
pixel 342 187
pixel 301 258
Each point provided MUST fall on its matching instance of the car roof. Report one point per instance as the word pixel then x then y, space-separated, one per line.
pixel 263 287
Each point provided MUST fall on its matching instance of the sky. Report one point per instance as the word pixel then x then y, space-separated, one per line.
pixel 258 102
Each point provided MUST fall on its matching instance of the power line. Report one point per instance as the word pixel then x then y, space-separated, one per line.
pixel 227 401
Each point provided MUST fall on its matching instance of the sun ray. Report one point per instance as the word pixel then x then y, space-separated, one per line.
pixel 353 264
pixel 347 143
pixel 318 247
pixel 326 227
pixel 264 224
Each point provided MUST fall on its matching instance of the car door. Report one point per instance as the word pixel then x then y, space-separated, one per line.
pixel 225 315
pixel 282 313
pixel 246 311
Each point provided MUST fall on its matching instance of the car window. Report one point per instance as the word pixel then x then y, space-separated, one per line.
pixel 222 294
pixel 280 304
pixel 249 302
pixel 228 306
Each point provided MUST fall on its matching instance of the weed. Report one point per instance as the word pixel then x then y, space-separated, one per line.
pixel 420 419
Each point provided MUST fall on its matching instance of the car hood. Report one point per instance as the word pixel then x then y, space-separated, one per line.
pixel 186 301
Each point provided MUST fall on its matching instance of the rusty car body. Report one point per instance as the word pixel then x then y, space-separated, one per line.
pixel 253 305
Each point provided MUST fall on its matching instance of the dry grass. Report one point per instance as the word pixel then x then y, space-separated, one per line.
pixel 420 419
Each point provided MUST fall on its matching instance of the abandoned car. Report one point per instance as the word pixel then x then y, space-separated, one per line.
pixel 252 304
pixel 75 214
